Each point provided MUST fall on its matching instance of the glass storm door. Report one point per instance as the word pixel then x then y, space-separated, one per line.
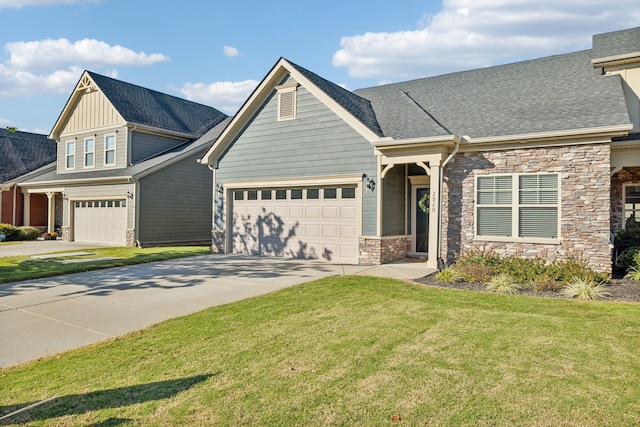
pixel 421 220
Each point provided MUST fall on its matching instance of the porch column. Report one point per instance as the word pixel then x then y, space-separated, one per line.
pixel 434 212
pixel 51 212
pixel 26 212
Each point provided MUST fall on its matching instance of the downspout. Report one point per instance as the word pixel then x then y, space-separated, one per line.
pixel 441 262
pixel 214 192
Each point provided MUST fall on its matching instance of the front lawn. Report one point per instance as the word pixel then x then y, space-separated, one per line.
pixel 17 268
pixel 352 351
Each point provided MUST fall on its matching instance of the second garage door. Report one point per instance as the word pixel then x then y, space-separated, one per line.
pixel 100 221
pixel 311 223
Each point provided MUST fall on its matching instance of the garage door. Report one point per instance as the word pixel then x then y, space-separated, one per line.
pixel 310 223
pixel 100 221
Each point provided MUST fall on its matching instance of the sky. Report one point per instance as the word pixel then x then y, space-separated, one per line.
pixel 216 53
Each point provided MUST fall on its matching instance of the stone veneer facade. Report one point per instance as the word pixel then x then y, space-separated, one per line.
pixel 381 250
pixel 218 242
pixel 585 202
pixel 65 232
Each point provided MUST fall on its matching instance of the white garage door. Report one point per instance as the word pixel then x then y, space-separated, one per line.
pixel 100 221
pixel 310 223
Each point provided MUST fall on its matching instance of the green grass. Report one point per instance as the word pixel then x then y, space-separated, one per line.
pixel 352 351
pixel 24 268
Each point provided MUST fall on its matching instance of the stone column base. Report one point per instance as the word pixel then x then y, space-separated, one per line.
pixel 218 242
pixel 382 250
pixel 130 238
pixel 65 234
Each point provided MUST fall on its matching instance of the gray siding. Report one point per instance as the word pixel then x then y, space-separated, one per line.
pixel 316 144
pixel 175 204
pixel 121 149
pixel 144 145
pixel 393 208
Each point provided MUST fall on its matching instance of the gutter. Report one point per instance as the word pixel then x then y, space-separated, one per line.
pixel 440 261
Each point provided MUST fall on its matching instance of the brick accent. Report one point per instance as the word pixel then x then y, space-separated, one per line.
pixel 65 233
pixel 218 239
pixel 382 250
pixel 585 202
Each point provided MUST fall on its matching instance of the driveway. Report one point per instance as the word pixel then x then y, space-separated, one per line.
pixel 35 247
pixel 44 317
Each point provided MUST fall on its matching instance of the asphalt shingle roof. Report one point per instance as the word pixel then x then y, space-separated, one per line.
pixel 616 43
pixel 148 107
pixel 23 152
pixel 555 93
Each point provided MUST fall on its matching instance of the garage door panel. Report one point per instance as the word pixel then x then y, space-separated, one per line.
pixel 313 228
pixel 102 222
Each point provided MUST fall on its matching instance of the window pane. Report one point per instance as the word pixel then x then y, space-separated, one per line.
pixel 124 203
pixel 313 193
pixel 539 222
pixel 494 190
pixel 296 194
pixel 252 195
pixel 281 194
pixel 238 195
pixel 494 222
pixel 349 193
pixel 265 195
pixel 330 193
pixel 539 189
pixel 109 149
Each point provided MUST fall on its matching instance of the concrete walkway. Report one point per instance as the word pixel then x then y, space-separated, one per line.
pixel 44 317
pixel 36 247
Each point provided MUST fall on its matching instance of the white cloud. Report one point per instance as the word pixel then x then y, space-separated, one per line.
pixel 17 4
pixel 54 66
pixel 48 54
pixel 476 33
pixel 231 51
pixel 4 123
pixel 225 96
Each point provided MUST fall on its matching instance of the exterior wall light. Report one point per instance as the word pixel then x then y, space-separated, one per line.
pixel 369 183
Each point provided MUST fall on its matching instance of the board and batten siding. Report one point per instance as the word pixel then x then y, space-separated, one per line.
pixel 93 110
pixel 318 143
pixel 121 149
pixel 145 145
pixel 175 203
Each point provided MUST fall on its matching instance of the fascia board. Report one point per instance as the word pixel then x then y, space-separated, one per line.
pixel 563 135
pixel 83 181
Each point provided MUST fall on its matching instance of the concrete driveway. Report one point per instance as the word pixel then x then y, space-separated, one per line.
pixel 44 317
pixel 36 247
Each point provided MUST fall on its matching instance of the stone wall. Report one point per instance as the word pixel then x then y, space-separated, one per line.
pixel 65 233
pixel 382 250
pixel 218 242
pixel 585 202
pixel 130 238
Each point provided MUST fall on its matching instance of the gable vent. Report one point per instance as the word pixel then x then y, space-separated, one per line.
pixel 287 102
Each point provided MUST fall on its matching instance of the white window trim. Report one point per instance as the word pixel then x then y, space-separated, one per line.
pixel 515 205
pixel 624 201
pixel 115 144
pixel 288 89
pixel 84 148
pixel 67 154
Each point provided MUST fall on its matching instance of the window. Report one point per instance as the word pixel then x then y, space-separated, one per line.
pixel 296 194
pixel 110 150
pixel 265 195
pixel 252 195
pixel 348 193
pixel 89 150
pixel 70 162
pixel 238 195
pixel 330 193
pixel 632 206
pixel 313 193
pixel 519 206
pixel 281 194
pixel 287 101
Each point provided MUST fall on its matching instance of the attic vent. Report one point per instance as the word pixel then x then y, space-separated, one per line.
pixel 287 102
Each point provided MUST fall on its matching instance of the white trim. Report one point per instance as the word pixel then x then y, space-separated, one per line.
pixel 624 201
pixel 414 219
pixel 292 89
pixel 67 155
pixel 294 182
pixel 609 61
pixel 609 131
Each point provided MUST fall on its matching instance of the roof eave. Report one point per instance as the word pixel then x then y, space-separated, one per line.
pixel 555 136
pixel 610 61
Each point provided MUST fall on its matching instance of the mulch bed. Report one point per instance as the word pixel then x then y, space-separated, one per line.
pixel 620 289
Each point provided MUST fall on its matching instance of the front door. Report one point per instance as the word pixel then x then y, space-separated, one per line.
pixel 420 219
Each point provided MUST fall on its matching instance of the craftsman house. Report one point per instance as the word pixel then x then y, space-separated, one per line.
pixel 126 171
pixel 23 155
pixel 535 158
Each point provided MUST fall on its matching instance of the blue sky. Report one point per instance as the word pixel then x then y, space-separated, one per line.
pixel 217 52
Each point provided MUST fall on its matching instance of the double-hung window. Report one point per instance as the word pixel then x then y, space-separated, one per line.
pixel 70 155
pixel 89 152
pixel 109 150
pixel 518 206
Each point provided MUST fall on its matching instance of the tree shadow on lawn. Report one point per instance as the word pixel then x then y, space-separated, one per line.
pixel 76 404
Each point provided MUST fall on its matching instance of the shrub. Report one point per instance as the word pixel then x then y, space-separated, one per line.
pixel 584 288
pixel 522 270
pixel 504 284
pixel 563 272
pixel 448 275
pixel 630 257
pixel 477 266
pixel 9 231
pixel 27 232
pixel 544 282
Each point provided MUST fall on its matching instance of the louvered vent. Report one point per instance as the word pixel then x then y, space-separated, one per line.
pixel 287 105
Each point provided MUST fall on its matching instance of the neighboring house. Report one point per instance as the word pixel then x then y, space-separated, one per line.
pixel 23 155
pixel 126 170
pixel 535 158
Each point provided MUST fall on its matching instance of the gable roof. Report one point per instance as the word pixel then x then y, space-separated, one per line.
pixel 149 108
pixel 138 170
pixel 24 152
pixel 549 94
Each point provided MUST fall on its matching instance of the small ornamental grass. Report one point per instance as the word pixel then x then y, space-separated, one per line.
pixel 633 274
pixel 584 288
pixel 503 284
pixel 448 274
